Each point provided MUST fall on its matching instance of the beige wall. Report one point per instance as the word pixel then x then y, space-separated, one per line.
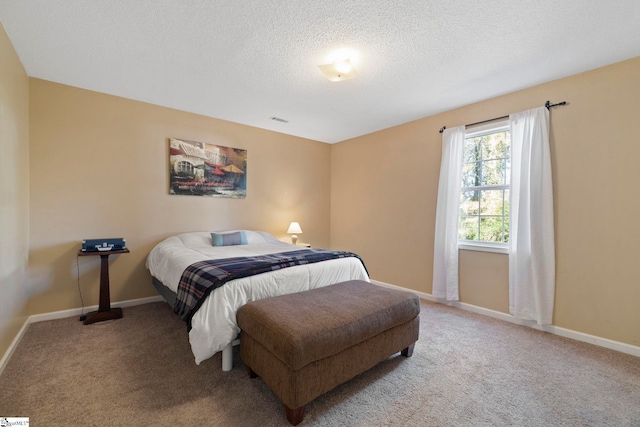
pixel 14 192
pixel 384 189
pixel 99 168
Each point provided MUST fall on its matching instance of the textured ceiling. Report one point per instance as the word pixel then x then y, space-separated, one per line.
pixel 246 61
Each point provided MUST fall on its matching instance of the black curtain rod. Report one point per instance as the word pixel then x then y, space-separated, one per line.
pixel 547 104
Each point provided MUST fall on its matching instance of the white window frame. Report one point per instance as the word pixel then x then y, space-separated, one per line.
pixel 470 245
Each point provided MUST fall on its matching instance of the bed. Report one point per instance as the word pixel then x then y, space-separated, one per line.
pixel 213 326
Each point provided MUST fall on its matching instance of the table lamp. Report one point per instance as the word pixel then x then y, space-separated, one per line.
pixel 294 229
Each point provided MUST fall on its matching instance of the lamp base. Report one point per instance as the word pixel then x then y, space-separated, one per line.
pixel 294 238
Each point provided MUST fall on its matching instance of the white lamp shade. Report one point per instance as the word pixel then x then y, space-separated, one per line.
pixel 294 228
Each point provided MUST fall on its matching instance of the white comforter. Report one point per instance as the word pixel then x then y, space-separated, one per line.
pixel 214 324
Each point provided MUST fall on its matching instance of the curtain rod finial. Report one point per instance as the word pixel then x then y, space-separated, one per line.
pixel 548 104
pixel 442 129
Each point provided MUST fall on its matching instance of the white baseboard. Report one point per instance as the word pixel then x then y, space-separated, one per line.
pixel 13 346
pixel 61 315
pixel 563 332
pixel 78 311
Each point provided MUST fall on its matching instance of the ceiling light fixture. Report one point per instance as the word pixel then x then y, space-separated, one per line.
pixel 339 70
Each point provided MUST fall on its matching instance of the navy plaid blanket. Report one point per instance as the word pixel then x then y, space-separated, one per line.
pixel 200 278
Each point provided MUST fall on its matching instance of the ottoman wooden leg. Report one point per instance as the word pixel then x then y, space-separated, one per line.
pixel 408 352
pixel 294 416
pixel 251 373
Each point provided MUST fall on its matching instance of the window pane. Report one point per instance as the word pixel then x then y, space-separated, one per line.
pixel 470 175
pixel 484 213
pixel 469 202
pixel 493 172
pixel 468 228
pixel 471 150
pixel 491 229
pixel 491 202
pixel 506 229
pixel 495 146
pixel 506 203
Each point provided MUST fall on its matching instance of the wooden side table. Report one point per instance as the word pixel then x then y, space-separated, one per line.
pixel 105 312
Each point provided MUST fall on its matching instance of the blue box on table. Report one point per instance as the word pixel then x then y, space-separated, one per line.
pixel 107 244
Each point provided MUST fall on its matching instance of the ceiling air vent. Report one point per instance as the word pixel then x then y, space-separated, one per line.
pixel 278 119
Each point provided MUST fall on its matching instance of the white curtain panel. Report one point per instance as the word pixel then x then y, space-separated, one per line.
pixel 531 240
pixel 445 260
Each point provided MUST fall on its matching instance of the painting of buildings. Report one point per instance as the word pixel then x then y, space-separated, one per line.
pixel 200 169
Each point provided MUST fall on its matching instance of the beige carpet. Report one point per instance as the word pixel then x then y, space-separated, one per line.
pixel 467 370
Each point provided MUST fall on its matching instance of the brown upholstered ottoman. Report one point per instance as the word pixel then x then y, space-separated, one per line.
pixel 305 344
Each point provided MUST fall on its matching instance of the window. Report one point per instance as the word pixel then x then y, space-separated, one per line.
pixel 484 199
pixel 184 168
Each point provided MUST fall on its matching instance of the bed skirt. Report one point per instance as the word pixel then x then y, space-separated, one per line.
pixel 166 293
